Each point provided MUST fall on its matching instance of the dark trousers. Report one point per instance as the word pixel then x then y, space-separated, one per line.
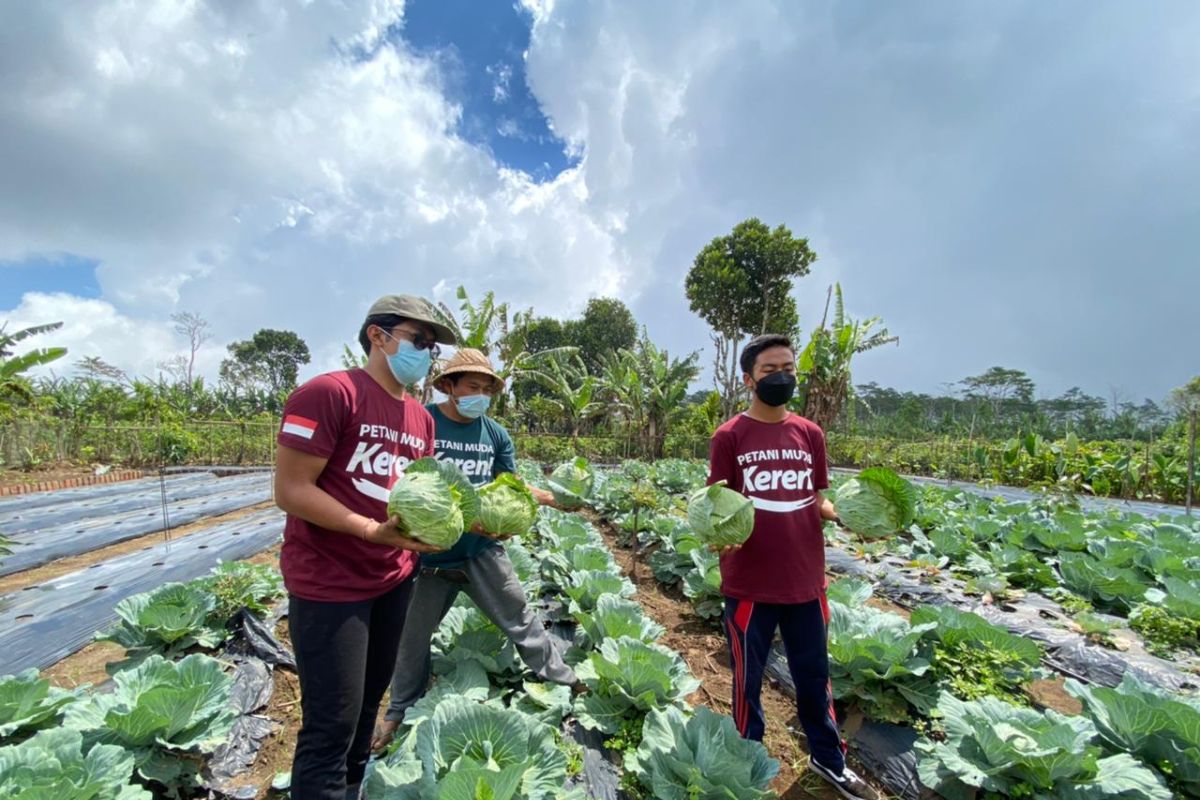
pixel 750 628
pixel 345 654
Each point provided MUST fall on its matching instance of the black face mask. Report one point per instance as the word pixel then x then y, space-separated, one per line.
pixel 776 389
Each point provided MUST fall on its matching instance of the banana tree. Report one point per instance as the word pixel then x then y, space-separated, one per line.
pixel 824 365
pixel 13 381
pixel 479 322
pixel 647 387
pixel 573 392
pixel 1186 400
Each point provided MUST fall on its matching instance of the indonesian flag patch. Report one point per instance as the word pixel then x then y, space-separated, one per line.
pixel 299 426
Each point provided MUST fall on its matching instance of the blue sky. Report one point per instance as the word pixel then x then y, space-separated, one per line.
pixel 1008 183
pixel 479 48
pixel 61 273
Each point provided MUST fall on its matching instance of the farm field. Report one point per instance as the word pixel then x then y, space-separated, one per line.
pixel 1034 618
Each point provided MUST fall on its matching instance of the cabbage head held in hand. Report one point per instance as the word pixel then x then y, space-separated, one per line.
pixel 506 506
pixel 876 503
pixel 572 483
pixel 429 508
pixel 720 516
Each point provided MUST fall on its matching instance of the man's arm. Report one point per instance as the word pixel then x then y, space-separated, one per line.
pixel 297 493
pixel 827 509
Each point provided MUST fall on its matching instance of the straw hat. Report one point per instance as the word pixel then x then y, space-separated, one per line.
pixel 464 361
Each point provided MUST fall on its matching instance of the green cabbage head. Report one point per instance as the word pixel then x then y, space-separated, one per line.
pixel 429 508
pixel 506 506
pixel 720 516
pixel 876 503
pixel 572 483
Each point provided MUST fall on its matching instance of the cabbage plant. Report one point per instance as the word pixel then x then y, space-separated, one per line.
pixel 992 748
pixel 628 678
pixel 720 516
pixel 876 503
pixel 169 714
pixel 468 750
pixel 28 703
pixel 684 757
pixel 1153 725
pixel 506 506
pixel 56 764
pixel 572 483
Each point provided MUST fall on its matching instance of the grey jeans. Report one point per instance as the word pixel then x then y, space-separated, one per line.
pixel 494 586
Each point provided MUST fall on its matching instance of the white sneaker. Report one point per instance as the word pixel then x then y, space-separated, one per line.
pixel 848 783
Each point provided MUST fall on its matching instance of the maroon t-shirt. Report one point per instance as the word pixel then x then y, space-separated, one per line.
pixel 780 467
pixel 369 437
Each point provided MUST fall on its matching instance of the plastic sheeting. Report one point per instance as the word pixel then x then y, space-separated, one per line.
pixel 42 535
pixel 1031 616
pixel 254 650
pixel 44 624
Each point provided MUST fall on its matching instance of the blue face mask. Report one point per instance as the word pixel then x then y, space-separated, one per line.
pixel 408 364
pixel 473 406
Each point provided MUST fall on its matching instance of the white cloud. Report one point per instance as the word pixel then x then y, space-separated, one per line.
pixel 281 164
pixel 267 166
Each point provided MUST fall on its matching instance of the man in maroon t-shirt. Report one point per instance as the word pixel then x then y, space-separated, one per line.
pixel 345 438
pixel 776 579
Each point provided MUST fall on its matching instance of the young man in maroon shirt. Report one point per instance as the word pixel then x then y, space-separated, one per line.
pixel 345 438
pixel 776 579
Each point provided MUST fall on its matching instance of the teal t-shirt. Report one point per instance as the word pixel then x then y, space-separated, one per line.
pixel 482 449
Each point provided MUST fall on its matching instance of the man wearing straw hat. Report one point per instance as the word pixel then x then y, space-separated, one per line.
pixel 478 563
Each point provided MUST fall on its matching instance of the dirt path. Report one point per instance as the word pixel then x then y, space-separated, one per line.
pixel 703 647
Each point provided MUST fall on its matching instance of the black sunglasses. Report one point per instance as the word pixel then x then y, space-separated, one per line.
pixel 419 341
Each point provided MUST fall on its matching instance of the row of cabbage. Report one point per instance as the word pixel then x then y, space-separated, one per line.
pixel 951 674
pixel 1108 569
pixel 150 732
pixel 485 729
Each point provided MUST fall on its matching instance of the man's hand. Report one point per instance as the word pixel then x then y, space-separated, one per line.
pixel 389 533
pixel 725 551
pixel 479 529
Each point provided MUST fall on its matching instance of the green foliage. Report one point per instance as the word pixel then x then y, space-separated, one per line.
pixel 168 714
pixel 627 678
pixel 613 618
pixel 700 756
pixel 1000 749
pixel 1160 729
pixel 1164 632
pixel 269 361
pixel 476 751
pixel 719 516
pixel 29 703
pixel 166 621
pixel 874 660
pixel 56 764
pixel 237 584
pixel 972 658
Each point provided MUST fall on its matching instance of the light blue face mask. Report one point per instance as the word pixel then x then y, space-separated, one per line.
pixel 408 364
pixel 473 406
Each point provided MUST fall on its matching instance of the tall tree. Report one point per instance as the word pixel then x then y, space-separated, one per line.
pixel 824 365
pixel 268 361
pixel 1186 401
pixel 999 386
pixel 197 331
pixel 607 326
pixel 741 285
